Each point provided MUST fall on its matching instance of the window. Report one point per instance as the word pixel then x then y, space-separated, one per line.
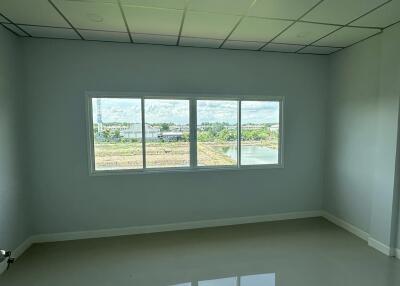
pixel 259 132
pixel 217 123
pixel 144 133
pixel 264 279
pixel 117 134
pixel 167 133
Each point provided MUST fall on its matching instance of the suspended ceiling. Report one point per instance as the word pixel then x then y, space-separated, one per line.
pixel 292 26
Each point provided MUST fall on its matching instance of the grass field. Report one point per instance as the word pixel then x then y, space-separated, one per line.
pixel 164 154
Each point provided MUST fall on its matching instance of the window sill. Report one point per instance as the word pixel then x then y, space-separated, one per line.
pixel 183 170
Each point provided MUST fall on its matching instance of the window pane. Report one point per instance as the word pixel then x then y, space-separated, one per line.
pixel 117 133
pixel 258 280
pixel 230 281
pixel 217 132
pixel 167 133
pixel 260 132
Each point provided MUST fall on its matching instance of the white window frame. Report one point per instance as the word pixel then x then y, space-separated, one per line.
pixel 192 127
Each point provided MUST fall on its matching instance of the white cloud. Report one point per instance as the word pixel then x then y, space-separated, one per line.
pixel 177 111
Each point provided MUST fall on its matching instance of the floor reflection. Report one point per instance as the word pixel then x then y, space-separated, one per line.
pixel 265 279
pixel 309 252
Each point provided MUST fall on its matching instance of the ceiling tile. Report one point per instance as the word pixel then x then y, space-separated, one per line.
pixel 346 36
pixel 381 17
pixel 105 36
pixel 257 29
pixel 272 47
pixel 284 9
pixel 200 42
pixel 170 4
pixel 155 39
pixel 318 50
pixel 92 15
pixel 341 11
pixel 208 25
pixel 3 20
pixel 47 32
pixel 304 33
pixel 237 7
pixel 15 29
pixel 240 45
pixel 153 21
pixel 40 13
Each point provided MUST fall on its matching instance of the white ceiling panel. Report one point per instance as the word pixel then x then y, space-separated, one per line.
pixel 237 7
pixel 153 21
pixel 15 29
pixel 199 42
pixel 304 33
pixel 208 25
pixel 341 11
pixel 259 30
pixel 318 50
pixel 169 4
pixel 155 39
pixel 284 9
pixel 381 17
pixel 272 47
pixel 92 15
pixel 47 32
pixel 346 36
pixel 37 12
pixel 3 20
pixel 239 45
pixel 105 36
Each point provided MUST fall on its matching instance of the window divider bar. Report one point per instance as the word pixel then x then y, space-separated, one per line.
pixel 193 132
pixel 239 134
pixel 143 134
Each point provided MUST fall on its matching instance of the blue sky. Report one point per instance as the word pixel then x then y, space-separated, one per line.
pixel 177 111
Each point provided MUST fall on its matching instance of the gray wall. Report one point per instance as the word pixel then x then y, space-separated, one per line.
pixel 361 143
pixel 351 137
pixel 13 202
pixel 66 198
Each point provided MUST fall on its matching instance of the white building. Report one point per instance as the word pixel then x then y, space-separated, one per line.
pixel 134 131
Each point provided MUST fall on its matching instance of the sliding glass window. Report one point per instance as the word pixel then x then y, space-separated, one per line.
pixel 140 133
pixel 217 129
pixel 259 132
pixel 167 133
pixel 117 134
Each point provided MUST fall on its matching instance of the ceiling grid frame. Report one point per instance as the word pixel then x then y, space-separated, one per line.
pixel 291 25
pixel 187 2
pixel 347 25
pixel 125 21
pixel 16 25
pixel 238 23
pixel 65 18
pixel 245 14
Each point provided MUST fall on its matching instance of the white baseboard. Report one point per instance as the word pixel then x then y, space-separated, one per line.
pixel 22 247
pixel 51 237
pixel 381 247
pixel 347 226
pixel 17 252
pixel 64 236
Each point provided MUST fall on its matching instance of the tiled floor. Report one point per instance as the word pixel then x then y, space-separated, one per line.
pixel 307 252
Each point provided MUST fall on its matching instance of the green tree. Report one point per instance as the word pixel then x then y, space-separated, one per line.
pixel 164 127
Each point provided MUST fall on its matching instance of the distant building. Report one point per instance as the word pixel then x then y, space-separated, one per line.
pixel 274 128
pixel 252 126
pixel 134 131
pixel 171 136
